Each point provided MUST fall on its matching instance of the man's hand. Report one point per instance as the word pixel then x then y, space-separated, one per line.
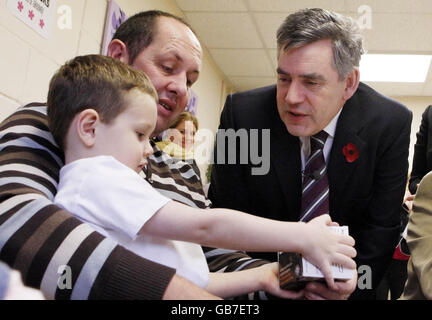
pixel 269 278
pixel 320 291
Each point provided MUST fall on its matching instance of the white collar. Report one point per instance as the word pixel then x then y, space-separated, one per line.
pixel 330 128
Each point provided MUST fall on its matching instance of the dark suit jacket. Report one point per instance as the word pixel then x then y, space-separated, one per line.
pixel 366 194
pixel 422 162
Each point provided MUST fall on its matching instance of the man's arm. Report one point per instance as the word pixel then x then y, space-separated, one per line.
pixel 419 166
pixel 47 244
pixel 376 223
pixel 419 240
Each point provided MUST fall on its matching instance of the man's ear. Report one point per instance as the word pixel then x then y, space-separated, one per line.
pixel 86 123
pixel 351 83
pixel 117 49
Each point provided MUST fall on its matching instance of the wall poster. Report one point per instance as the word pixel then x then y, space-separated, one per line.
pixel 37 14
pixel 115 17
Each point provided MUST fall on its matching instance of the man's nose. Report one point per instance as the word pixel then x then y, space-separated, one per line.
pixel 294 93
pixel 178 85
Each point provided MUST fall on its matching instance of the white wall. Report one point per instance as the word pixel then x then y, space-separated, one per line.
pixel 27 60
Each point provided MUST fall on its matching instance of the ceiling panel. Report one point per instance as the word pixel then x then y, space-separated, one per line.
pixel 247 83
pixel 289 6
pixel 397 89
pixel 234 30
pixel 243 62
pixel 267 24
pixel 212 5
pixel 225 30
pixel 391 6
pixel 396 32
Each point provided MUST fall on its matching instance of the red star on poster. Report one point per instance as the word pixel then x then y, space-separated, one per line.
pixel 20 6
pixel 31 15
pixel 41 23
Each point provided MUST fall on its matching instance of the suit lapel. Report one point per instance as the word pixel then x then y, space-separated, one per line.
pixel 349 125
pixel 285 159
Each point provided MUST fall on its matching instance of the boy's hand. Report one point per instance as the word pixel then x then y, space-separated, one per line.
pixel 323 247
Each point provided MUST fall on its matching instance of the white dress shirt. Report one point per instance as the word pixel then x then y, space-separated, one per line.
pixel 305 141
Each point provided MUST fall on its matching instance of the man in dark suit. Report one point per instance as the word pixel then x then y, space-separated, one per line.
pixel 365 153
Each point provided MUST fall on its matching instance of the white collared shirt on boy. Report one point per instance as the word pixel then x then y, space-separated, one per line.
pixel 117 202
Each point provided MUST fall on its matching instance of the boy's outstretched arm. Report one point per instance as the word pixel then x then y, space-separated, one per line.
pixel 233 229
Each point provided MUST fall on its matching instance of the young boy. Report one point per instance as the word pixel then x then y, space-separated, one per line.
pixel 102 113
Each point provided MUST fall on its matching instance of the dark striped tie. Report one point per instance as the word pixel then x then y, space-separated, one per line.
pixel 315 187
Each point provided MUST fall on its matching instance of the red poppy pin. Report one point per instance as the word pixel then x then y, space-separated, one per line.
pixel 350 152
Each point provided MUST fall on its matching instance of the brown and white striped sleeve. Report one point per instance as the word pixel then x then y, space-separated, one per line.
pixel 39 239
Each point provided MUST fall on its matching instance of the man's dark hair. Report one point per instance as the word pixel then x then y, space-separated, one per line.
pixel 138 31
pixel 310 25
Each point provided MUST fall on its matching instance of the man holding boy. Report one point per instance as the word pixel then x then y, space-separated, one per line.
pixel 38 238
pixel 102 113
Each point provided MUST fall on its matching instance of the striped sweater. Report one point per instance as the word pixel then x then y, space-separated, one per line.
pixel 39 239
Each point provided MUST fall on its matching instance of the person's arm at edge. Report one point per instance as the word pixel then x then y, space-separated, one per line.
pixel 419 164
pixel 419 282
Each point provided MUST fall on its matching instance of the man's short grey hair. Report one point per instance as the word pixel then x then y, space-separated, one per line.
pixel 309 25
